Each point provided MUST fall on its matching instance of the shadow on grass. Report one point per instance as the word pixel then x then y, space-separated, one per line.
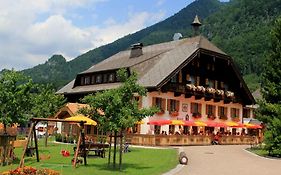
pixel 124 167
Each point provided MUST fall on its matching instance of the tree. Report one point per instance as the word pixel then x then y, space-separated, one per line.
pixel 21 99
pixel 45 103
pixel 119 107
pixel 270 109
pixel 15 97
pixel 14 103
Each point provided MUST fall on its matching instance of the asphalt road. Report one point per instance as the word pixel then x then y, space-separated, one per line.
pixel 227 160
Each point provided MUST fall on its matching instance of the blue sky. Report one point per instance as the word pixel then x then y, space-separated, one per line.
pixel 31 31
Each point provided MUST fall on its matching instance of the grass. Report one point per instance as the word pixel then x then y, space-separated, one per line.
pixel 259 151
pixel 139 161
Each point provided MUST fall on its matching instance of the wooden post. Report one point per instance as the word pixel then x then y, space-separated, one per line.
pixel 36 144
pixel 109 153
pixel 77 151
pixel 26 145
pixel 83 142
pixel 114 149
pixel 121 149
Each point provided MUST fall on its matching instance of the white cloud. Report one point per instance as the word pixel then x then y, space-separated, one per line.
pixel 135 22
pixel 33 30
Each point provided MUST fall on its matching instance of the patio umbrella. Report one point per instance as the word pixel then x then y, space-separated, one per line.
pixel 221 124
pixel 200 123
pixel 81 117
pixel 159 122
pixel 211 123
pixel 177 122
pixel 252 126
pixel 140 122
pixel 234 124
pixel 189 123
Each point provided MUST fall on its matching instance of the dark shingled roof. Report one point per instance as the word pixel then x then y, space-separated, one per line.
pixel 155 64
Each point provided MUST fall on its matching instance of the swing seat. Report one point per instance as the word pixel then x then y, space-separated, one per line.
pixel 65 153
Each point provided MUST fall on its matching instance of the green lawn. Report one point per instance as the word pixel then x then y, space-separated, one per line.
pixel 138 161
pixel 259 151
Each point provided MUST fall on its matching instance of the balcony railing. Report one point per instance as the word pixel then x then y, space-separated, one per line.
pixel 202 92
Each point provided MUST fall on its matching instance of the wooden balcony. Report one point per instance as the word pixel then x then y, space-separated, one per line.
pixel 200 92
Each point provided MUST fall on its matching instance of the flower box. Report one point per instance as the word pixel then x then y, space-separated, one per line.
pixel 174 113
pixel 211 117
pixel 223 117
pixel 235 118
pixel 196 115
pixel 161 112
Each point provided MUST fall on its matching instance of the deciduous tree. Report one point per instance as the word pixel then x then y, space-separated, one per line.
pixel 119 106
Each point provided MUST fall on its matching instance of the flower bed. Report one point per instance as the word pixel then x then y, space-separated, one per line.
pixel 31 171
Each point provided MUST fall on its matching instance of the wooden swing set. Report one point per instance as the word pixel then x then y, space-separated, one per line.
pixel 80 143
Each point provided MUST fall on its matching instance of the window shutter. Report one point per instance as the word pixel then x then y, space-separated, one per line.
pixel 177 105
pixel 207 110
pixel 191 108
pixel 153 101
pixel 168 105
pixel 163 104
pixel 140 102
pixel 180 77
pixel 200 108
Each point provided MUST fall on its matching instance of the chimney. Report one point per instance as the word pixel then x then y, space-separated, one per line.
pixel 136 50
pixel 196 24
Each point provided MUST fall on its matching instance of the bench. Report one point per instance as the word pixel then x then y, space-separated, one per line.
pixel 99 149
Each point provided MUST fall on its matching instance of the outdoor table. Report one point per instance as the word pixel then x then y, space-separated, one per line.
pixel 97 148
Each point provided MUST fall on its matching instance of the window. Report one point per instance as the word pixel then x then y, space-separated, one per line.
pixel 222 112
pixel 171 129
pixel 88 130
pixel 210 109
pixel 188 80
pixel 87 80
pixel 246 113
pixel 186 130
pixel 82 81
pixel 211 83
pixel 105 78
pixel 111 77
pixel 99 79
pixel 192 79
pixel 195 108
pixel 160 103
pixel 173 105
pixel 174 79
pixel 93 79
pixel 234 113
pixel 157 129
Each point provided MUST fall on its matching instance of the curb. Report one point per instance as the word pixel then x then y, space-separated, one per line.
pixel 178 167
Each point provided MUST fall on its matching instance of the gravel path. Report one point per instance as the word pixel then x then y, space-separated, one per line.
pixel 227 160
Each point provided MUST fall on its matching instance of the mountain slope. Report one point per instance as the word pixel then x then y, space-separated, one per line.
pixel 160 32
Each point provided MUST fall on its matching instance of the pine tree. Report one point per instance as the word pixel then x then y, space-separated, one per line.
pixel 270 108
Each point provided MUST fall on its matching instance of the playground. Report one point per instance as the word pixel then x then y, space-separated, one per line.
pixel 137 161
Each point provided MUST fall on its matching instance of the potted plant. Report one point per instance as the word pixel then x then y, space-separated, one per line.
pixel 196 115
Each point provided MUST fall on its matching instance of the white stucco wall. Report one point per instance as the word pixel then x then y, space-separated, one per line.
pixel 147 102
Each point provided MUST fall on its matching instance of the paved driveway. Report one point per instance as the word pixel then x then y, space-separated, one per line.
pixel 227 160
